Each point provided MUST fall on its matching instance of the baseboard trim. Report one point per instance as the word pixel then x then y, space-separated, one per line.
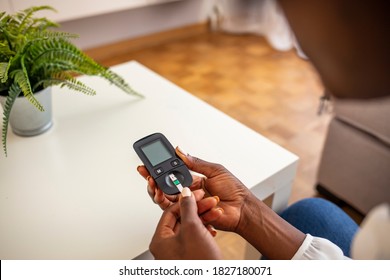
pixel 102 53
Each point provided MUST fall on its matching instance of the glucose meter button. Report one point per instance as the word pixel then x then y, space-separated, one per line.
pixel 159 171
pixel 175 163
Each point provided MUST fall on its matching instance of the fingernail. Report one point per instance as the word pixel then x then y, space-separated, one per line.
pixel 217 198
pixel 181 151
pixel 212 230
pixel 147 178
pixel 138 167
pixel 186 192
pixel 221 210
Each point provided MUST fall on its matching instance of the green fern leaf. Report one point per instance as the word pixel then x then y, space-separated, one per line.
pixel 33 56
pixel 21 79
pixel 49 53
pixel 3 71
pixel 76 85
pixel 5 52
pixel 66 80
pixel 26 20
pixel 56 55
pixel 4 77
pixel 41 39
pixel 119 82
pixel 4 18
pixel 72 83
pixel 49 34
pixel 61 50
pixel 13 93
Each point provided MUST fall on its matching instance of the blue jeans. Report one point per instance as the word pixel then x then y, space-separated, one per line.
pixel 322 218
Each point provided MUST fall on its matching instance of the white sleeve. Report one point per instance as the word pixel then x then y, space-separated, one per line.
pixel 316 248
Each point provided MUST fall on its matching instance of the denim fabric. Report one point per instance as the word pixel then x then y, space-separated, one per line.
pixel 322 218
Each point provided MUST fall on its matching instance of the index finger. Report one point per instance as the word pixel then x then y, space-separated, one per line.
pixel 143 171
pixel 198 165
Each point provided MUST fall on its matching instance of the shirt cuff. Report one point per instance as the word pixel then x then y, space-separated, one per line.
pixel 316 248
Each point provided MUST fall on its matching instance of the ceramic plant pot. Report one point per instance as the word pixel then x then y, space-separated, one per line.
pixel 27 120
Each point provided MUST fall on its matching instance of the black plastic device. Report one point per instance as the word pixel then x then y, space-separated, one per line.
pixel 160 159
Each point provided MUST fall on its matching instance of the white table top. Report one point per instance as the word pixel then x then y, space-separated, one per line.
pixel 74 192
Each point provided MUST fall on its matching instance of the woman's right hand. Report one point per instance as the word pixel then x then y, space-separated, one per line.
pixel 181 235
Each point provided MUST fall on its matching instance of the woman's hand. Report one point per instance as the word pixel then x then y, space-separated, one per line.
pixel 242 213
pixel 217 181
pixel 187 239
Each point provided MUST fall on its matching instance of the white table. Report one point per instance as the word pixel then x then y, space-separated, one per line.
pixel 74 192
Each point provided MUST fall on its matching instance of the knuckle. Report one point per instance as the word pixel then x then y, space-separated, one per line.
pixel 219 167
pixel 190 225
pixel 194 161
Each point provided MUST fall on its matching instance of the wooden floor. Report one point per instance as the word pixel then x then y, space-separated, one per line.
pixel 275 93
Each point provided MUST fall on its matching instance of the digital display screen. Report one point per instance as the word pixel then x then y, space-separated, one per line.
pixel 156 152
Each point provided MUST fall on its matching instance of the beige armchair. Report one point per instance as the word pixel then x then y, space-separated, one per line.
pixel 355 163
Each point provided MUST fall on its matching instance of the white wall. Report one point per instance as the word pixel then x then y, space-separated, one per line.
pixel 112 27
pixel 5 6
pixel 75 9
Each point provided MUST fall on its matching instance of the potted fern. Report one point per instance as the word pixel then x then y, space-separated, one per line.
pixel 33 58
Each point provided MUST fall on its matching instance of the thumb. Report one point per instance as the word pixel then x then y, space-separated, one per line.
pixel 198 165
pixel 188 207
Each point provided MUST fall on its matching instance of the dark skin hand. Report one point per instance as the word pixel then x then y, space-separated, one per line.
pixel 218 182
pixel 184 240
pixel 242 212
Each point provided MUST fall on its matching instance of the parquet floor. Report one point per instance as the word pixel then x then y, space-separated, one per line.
pixel 274 93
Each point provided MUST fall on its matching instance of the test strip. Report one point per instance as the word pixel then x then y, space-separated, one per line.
pixel 176 182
